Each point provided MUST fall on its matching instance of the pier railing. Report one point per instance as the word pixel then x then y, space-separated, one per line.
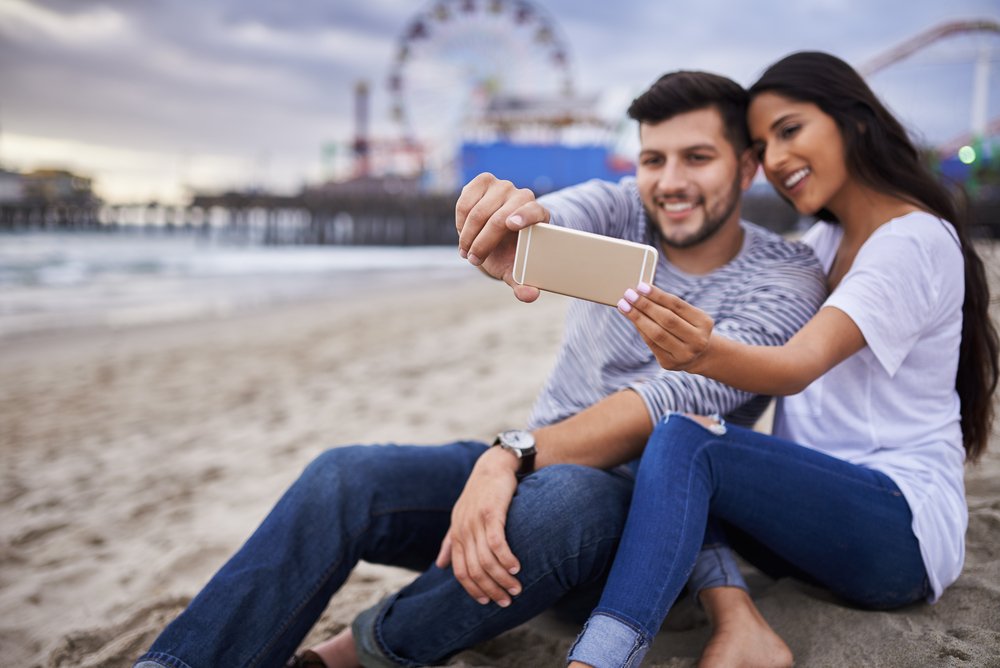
pixel 386 220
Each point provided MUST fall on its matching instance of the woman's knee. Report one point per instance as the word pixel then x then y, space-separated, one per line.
pixel 684 438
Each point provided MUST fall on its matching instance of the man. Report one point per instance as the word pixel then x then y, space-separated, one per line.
pixel 503 533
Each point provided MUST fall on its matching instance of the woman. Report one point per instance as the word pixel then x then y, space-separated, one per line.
pixel 860 490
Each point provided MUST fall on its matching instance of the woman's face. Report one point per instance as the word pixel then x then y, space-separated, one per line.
pixel 801 149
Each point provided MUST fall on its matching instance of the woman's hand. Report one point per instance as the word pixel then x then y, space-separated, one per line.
pixel 678 334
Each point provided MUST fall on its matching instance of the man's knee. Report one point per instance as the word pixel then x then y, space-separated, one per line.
pixel 341 473
pixel 563 508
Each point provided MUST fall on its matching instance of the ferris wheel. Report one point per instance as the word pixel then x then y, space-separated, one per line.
pixel 457 56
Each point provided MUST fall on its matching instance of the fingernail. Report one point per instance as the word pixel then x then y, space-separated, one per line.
pixel 462 252
pixel 624 306
pixel 514 570
pixel 504 603
pixel 482 601
pixel 474 260
pixel 644 288
pixel 516 220
pixel 514 591
pixel 631 295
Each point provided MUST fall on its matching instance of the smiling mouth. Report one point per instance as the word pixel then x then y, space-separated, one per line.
pixel 796 176
pixel 675 206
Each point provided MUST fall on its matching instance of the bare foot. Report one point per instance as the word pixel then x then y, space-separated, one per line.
pixel 339 651
pixel 741 637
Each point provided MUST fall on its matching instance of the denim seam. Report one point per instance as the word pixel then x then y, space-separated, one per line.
pixel 737 442
pixel 320 584
pixel 642 639
pixel 496 609
pixel 725 438
pixel 380 640
pixel 159 657
pixel 254 660
pixel 658 601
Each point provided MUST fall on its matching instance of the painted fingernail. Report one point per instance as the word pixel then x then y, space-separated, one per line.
pixel 631 295
pixel 474 260
pixel 516 220
pixel 624 306
pixel 644 288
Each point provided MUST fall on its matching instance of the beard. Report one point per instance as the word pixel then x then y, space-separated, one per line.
pixel 715 218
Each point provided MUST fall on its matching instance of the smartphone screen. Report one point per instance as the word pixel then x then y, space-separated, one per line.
pixel 581 264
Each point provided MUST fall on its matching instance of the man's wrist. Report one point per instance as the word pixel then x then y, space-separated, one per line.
pixel 520 444
pixel 500 459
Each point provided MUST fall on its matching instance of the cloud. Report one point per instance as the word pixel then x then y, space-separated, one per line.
pixel 241 79
pixel 20 19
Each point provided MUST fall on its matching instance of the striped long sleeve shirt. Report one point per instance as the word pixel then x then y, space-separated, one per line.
pixel 763 296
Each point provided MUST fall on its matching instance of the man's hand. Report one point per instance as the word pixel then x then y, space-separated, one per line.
pixel 488 215
pixel 476 544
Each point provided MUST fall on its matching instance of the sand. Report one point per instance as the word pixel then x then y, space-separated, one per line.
pixel 136 460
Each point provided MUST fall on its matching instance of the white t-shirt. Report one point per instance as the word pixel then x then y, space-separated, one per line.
pixel 893 406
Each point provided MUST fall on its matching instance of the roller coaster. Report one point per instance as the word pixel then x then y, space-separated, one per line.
pixel 980 127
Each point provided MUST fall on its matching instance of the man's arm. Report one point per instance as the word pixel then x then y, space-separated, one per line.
pixel 611 432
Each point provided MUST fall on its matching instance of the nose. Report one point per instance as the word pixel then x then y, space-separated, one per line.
pixel 774 157
pixel 673 177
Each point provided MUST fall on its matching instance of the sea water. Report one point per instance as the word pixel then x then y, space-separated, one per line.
pixel 53 281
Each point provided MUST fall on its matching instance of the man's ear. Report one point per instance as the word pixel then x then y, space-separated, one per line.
pixel 748 167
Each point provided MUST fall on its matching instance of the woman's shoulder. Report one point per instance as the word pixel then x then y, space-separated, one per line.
pixel 926 232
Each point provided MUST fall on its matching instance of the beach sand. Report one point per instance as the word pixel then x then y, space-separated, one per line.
pixel 136 461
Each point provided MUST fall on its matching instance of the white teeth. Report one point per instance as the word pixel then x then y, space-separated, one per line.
pixel 676 207
pixel 796 176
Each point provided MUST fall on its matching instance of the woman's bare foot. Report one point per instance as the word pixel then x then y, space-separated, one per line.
pixel 741 637
pixel 339 651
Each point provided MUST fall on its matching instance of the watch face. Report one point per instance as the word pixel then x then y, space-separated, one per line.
pixel 516 438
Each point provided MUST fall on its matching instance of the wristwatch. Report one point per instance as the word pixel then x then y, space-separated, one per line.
pixel 522 444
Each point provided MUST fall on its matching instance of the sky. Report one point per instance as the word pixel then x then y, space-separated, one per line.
pixel 158 99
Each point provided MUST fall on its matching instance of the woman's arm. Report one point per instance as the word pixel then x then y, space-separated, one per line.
pixel 681 338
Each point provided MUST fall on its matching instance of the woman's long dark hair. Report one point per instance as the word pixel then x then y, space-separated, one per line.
pixel 881 155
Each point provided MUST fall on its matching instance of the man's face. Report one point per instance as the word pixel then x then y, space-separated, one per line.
pixel 690 178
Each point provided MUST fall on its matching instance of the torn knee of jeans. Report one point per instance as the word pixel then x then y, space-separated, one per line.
pixel 713 423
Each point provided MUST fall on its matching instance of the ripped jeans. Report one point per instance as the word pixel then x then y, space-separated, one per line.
pixel 788 509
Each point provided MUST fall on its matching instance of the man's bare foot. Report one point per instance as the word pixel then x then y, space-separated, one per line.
pixel 741 637
pixel 339 651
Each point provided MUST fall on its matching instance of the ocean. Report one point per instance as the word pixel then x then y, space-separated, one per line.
pixel 58 281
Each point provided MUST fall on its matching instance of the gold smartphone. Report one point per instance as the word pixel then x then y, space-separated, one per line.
pixel 581 264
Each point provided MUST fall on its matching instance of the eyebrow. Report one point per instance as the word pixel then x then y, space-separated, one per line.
pixel 693 147
pixel 780 120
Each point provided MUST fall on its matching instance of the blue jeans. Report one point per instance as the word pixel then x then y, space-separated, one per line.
pixel 392 505
pixel 788 509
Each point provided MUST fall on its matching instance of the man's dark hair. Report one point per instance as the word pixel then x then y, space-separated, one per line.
pixel 683 91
